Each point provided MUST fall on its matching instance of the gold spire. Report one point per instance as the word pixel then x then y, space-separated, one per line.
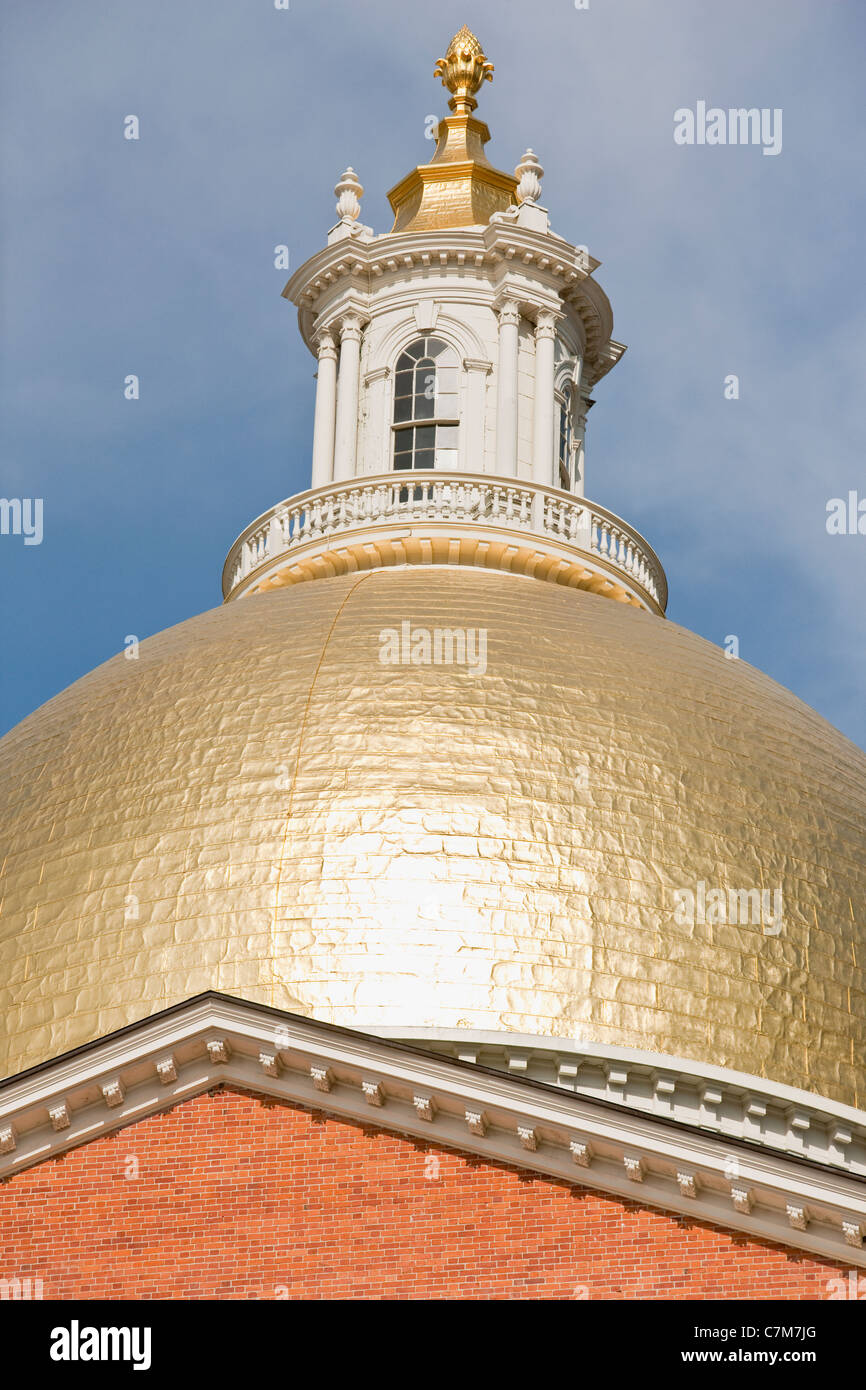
pixel 459 187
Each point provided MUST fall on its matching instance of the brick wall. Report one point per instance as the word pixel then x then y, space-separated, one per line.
pixel 226 1197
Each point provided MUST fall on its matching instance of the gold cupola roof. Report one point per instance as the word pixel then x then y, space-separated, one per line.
pixel 459 187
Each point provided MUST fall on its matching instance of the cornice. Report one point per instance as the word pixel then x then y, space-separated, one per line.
pixel 537 269
pixel 215 1040
pixel 750 1109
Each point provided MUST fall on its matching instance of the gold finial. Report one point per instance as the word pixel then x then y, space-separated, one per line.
pixel 463 69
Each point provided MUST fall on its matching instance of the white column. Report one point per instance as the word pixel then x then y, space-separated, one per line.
pixel 326 406
pixel 543 405
pixel 348 391
pixel 582 405
pixel 374 438
pixel 506 389
pixel 471 447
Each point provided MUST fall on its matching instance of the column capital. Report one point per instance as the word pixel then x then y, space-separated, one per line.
pixel 325 344
pixel 545 323
pixel 351 327
pixel 509 312
pixel 477 364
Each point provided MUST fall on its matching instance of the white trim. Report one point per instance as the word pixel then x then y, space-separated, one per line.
pixel 730 1103
pixel 539 269
pixel 462 339
pixel 213 1040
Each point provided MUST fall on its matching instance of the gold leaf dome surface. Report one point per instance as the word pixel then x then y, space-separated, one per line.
pixel 258 805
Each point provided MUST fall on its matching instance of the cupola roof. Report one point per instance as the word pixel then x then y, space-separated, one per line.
pixel 459 187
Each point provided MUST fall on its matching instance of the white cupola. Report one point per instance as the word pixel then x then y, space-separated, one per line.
pixel 461 344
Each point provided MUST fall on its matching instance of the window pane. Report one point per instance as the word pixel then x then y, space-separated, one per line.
pixel 403 385
pixel 447 379
pixel 403 440
pixel 446 458
pixel 402 409
pixel 446 436
pixel 425 437
pixel 425 394
pixel 446 407
pixel 415 350
pixel 435 346
pixel 424 458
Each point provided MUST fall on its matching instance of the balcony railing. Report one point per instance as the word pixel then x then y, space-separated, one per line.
pixel 459 506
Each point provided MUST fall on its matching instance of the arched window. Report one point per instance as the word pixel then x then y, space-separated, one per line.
pixel 566 438
pixel 425 406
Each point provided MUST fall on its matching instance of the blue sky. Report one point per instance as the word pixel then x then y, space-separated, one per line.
pixel 155 257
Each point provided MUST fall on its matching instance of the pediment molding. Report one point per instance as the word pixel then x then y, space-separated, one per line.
pixel 216 1040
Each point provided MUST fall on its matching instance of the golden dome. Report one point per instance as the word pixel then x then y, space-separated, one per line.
pixel 258 805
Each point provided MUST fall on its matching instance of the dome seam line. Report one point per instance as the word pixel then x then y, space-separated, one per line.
pixel 301 733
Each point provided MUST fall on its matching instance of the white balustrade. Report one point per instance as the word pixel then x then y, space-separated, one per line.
pixel 398 499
